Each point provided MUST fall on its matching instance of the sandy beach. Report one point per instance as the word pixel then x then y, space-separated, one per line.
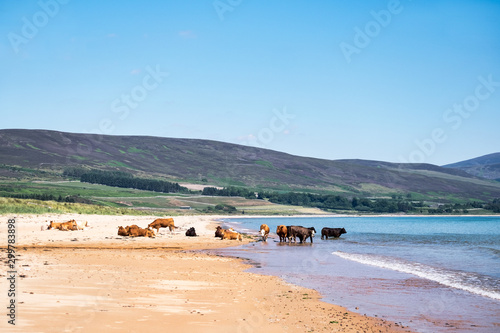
pixel 93 280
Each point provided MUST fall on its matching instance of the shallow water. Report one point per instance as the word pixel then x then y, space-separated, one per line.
pixel 433 274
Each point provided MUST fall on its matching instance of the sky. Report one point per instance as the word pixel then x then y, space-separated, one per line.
pixel 397 81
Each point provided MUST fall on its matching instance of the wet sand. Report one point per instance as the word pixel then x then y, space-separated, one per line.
pixel 96 281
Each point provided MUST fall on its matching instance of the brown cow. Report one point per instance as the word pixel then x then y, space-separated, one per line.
pixel 67 226
pixel 122 231
pixel 135 231
pixel 162 223
pixel 54 225
pixel 302 233
pixel 141 232
pixel 264 231
pixel 232 235
pixel 281 231
pixel 64 226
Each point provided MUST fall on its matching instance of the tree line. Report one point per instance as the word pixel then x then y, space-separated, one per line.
pixel 230 192
pixel 395 204
pixel 127 180
pixel 41 196
pixel 322 201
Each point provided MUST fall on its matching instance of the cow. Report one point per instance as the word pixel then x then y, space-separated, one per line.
pixel 282 232
pixel 264 231
pixel 162 223
pixel 219 232
pixel 67 226
pixel 332 232
pixel 129 228
pixel 302 233
pixel 135 231
pixel 54 225
pixel 122 231
pixel 81 225
pixel 141 232
pixel 289 233
pixel 64 226
pixel 232 235
pixel 191 232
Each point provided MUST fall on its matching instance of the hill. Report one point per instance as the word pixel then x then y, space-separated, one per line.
pixel 224 164
pixel 487 166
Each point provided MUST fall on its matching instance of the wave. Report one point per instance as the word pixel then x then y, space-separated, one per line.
pixel 471 282
pixel 493 251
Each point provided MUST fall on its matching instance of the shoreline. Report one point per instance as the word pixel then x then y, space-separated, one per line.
pixel 141 285
pixel 351 215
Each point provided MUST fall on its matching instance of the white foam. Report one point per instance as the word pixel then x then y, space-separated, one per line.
pixel 454 279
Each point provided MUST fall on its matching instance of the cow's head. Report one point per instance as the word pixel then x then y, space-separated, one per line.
pixel 150 232
pixel 343 231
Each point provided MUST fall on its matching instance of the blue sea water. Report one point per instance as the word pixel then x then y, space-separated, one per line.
pixel 432 274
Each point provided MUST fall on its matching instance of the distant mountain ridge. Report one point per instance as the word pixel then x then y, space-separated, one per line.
pixel 223 164
pixel 487 166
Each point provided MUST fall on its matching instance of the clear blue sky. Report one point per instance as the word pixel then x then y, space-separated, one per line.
pixel 415 81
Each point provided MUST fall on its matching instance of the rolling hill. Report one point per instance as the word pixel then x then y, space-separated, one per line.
pixel 487 166
pixel 223 164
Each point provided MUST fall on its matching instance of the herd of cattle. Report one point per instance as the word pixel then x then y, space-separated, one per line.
pixel 293 232
pixel 285 233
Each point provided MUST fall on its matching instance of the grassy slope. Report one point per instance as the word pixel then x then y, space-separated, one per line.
pixel 228 164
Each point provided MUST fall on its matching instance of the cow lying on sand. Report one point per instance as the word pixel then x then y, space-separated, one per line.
pixel 232 235
pixel 191 232
pixel 162 223
pixel 332 232
pixel 264 231
pixel 219 232
pixel 82 225
pixel 301 232
pixel 227 233
pixel 135 231
pixel 64 226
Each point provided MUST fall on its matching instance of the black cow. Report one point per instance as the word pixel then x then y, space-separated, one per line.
pixel 332 232
pixel 302 233
pixel 191 232
pixel 219 232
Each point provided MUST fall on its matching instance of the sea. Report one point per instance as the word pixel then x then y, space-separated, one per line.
pixel 429 274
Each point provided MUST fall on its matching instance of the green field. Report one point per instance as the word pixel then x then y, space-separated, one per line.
pixel 102 199
pixel 115 200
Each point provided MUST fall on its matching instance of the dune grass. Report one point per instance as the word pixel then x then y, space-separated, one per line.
pixel 30 206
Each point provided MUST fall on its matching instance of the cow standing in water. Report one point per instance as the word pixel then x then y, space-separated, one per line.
pixel 264 231
pixel 282 232
pixel 332 232
pixel 301 232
